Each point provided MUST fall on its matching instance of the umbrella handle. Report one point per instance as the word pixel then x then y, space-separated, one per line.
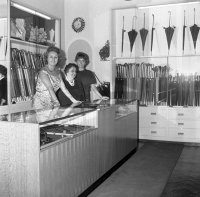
pixel 194 15
pixel 123 23
pixel 153 20
pixel 184 17
pixel 133 21
pixel 169 17
pixel 144 20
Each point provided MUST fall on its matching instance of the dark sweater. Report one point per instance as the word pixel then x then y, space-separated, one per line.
pixel 76 91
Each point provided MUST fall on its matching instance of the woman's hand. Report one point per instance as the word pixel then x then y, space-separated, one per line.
pixel 104 98
pixel 56 103
pixel 76 101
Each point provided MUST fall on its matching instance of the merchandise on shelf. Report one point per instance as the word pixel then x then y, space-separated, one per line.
pixel 24 68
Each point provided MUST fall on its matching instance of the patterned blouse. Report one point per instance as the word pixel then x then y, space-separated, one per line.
pixel 42 97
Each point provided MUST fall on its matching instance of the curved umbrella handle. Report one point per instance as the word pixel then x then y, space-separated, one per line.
pixel 153 20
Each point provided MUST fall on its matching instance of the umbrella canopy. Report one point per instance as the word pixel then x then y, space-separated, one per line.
pixel 184 26
pixel 143 34
pixel 194 31
pixel 152 30
pixel 169 31
pixel 132 36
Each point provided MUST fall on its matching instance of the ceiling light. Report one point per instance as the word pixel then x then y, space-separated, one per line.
pixel 170 4
pixel 30 11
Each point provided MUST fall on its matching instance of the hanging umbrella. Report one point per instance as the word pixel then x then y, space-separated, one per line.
pixel 194 31
pixel 169 31
pixel 143 34
pixel 152 30
pixel 132 36
pixel 184 26
pixel 123 30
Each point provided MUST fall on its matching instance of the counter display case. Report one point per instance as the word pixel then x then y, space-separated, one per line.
pixel 62 151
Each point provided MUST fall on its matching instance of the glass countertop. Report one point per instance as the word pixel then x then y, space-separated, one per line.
pixel 43 116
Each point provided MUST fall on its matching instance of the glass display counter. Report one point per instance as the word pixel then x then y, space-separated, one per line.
pixel 64 148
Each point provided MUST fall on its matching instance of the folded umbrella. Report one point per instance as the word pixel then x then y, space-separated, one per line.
pixel 194 31
pixel 123 31
pixel 152 30
pixel 169 31
pixel 184 27
pixel 143 34
pixel 132 36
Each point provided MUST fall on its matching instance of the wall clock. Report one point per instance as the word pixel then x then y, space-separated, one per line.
pixel 78 24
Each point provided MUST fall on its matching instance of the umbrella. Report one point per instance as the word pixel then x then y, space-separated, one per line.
pixel 184 26
pixel 152 30
pixel 123 30
pixel 132 36
pixel 169 31
pixel 143 34
pixel 194 31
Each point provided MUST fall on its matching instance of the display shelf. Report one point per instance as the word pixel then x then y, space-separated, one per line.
pixel 27 43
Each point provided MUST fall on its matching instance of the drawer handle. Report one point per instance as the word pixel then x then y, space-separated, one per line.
pixel 153 122
pixel 180 133
pixel 153 113
pixel 180 114
pixel 180 123
pixel 153 131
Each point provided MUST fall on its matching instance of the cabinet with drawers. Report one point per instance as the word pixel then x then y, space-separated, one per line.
pixel 152 122
pixel 170 123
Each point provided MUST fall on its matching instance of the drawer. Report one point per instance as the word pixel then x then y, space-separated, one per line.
pixel 155 122
pixel 184 124
pixel 184 133
pixel 152 131
pixel 153 111
pixel 184 113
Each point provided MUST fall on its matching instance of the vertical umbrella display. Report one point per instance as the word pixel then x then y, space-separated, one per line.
pixel 194 31
pixel 184 26
pixel 152 30
pixel 123 31
pixel 143 34
pixel 132 36
pixel 169 31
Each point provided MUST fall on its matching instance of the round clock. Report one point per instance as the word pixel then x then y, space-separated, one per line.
pixel 78 24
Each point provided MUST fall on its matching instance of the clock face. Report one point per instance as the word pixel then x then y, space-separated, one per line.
pixel 78 24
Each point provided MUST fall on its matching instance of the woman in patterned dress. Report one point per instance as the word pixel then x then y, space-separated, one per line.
pixel 49 81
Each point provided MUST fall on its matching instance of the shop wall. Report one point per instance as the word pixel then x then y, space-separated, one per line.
pixel 51 7
pixel 97 14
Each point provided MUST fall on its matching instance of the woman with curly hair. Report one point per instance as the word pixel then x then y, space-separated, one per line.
pixel 49 81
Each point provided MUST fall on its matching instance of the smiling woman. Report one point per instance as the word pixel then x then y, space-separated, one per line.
pixel 74 87
pixel 49 81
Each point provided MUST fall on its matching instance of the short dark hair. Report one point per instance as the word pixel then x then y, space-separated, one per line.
pixel 70 65
pixel 81 55
pixel 3 70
